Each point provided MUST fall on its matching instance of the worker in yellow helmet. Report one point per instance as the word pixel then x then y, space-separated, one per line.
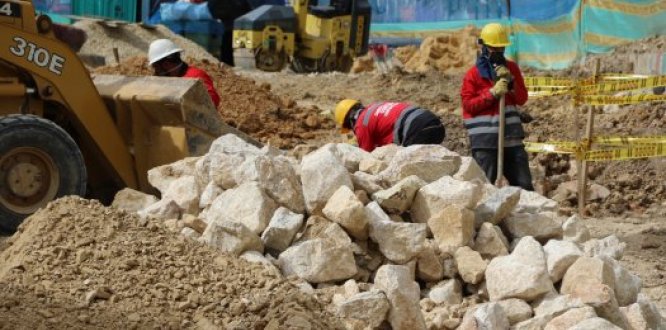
pixel 383 123
pixel 492 78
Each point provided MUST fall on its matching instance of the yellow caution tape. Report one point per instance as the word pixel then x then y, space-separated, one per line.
pixel 629 140
pixel 624 85
pixel 619 100
pixel 645 151
pixel 548 81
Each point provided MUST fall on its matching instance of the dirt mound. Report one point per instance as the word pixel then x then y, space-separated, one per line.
pixel 132 40
pixel 252 108
pixel 451 52
pixel 80 264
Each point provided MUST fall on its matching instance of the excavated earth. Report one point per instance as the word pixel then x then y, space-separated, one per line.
pixel 79 265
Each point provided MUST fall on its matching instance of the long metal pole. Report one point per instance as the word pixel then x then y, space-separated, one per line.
pixel 589 131
pixel 500 142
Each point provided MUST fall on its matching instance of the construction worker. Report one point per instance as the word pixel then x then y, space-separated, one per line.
pixel 383 123
pixel 492 77
pixel 164 57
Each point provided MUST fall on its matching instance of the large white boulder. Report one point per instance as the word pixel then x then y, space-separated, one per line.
pixel 372 165
pixel 276 176
pixel 429 266
pixel 602 298
pixel 452 227
pixel 522 274
pixel 164 209
pixel 533 202
pixel 570 318
pixel 246 204
pixel 318 261
pixel 434 197
pixel 185 192
pixel 208 195
pixel 398 242
pixel 644 315
pixel 350 155
pixel 226 154
pixel 282 229
pixel 322 173
pixel 488 316
pixel 595 323
pixel 541 226
pixel 428 162
pixel 232 238
pixel 399 197
pixel 498 206
pixel 345 209
pixel 319 227
pixel 516 310
pixel 560 255
pixel 627 285
pixel 161 177
pixel 403 294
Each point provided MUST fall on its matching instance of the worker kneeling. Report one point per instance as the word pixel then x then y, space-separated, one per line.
pixel 164 57
pixel 383 123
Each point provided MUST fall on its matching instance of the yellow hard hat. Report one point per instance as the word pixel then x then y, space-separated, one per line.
pixel 341 111
pixel 495 35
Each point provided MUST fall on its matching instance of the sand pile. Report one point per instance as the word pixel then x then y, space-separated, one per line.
pixel 451 52
pixel 132 40
pixel 80 264
pixel 252 108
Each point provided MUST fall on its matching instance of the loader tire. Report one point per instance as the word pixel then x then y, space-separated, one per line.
pixel 39 162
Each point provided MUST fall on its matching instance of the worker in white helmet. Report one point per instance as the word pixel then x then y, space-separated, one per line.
pixel 164 57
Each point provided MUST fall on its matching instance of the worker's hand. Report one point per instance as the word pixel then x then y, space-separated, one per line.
pixel 503 72
pixel 525 117
pixel 500 89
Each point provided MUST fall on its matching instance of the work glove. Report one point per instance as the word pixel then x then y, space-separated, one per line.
pixel 503 72
pixel 525 117
pixel 500 89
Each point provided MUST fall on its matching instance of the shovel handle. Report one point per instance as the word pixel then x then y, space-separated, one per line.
pixel 500 141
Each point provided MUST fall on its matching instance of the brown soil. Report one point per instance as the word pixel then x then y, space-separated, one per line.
pixel 144 276
pixel 451 52
pixel 253 108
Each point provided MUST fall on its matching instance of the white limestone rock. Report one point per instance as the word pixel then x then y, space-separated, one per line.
pixel 399 242
pixel 230 237
pixel 522 274
pixel 403 294
pixel 318 261
pixel 470 171
pixel 434 197
pixel 490 242
pixel 246 204
pixel 428 162
pixel 399 197
pixel 133 201
pixel 541 226
pixel 498 206
pixel 322 173
pixel 452 227
pixel 470 265
pixel 282 229
pixel 560 255
pixel 574 230
pixel 345 209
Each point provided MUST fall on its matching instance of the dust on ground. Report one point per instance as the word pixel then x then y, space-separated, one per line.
pixel 77 264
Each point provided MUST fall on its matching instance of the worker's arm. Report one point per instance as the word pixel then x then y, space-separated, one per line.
pixel 519 92
pixel 364 139
pixel 475 98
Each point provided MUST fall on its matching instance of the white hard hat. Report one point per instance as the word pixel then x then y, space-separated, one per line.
pixel 160 49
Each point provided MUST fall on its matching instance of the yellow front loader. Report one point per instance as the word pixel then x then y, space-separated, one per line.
pixel 63 132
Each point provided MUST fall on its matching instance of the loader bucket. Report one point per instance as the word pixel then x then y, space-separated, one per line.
pixel 162 119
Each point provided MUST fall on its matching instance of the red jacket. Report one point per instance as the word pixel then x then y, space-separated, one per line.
pixel 374 125
pixel 476 97
pixel 193 72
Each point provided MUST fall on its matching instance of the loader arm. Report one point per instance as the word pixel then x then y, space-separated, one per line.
pixel 59 76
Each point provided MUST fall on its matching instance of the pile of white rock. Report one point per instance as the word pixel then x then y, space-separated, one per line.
pixel 413 237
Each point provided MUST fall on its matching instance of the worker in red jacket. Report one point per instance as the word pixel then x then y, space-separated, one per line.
pixel 383 123
pixel 492 77
pixel 164 57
